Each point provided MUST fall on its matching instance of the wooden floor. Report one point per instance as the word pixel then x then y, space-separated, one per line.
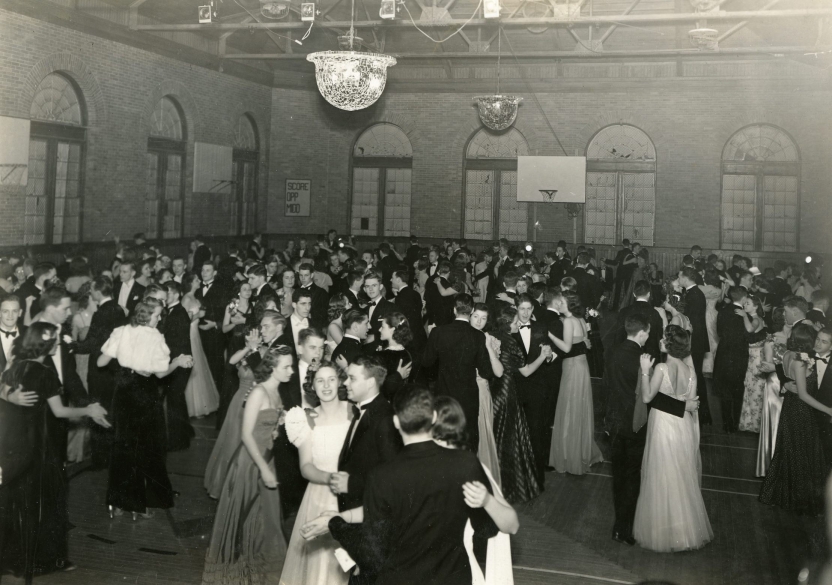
pixel 564 536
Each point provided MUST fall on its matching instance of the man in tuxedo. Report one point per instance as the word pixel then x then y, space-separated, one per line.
pixel 589 287
pixel 409 303
pixel 29 292
pixel 202 253
pixel 10 311
pixel 823 345
pixel 820 305
pixel 213 300
pixel 413 509
pixel 626 420
pixel 620 274
pixel 533 390
pixel 320 299
pixel 101 381
pixel 552 319
pixel 178 338
pixel 356 324
pixel 459 350
pixel 508 291
pixel 377 308
pixel 387 265
pixel 695 308
pixel 642 306
pixel 780 288
pixel 433 264
pixel 412 255
pixel 795 309
pixel 298 320
pixel 311 342
pixel 127 292
pixel 178 267
pixel 258 280
pixel 355 282
pixel 500 265
pixel 731 360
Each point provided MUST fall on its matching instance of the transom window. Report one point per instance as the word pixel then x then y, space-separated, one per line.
pixel 760 190
pixel 54 193
pixel 246 156
pixel 382 160
pixel 490 195
pixel 165 164
pixel 620 186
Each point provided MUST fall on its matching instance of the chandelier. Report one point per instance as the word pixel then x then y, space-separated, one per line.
pixel 498 111
pixel 351 80
pixel 274 10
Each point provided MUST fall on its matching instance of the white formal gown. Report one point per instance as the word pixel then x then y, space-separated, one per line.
pixel 201 392
pixel 670 514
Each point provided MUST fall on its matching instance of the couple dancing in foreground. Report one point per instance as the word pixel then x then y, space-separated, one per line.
pixel 391 485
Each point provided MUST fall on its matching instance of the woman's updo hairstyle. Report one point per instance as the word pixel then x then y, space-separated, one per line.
pixel 401 328
pixel 309 382
pixel 450 422
pixel 144 312
pixel 505 317
pixel 778 319
pixel 32 345
pixel 264 369
pixel 573 303
pixel 802 339
pixel 676 301
pixel 677 342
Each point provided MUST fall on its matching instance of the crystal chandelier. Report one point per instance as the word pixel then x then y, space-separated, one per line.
pixel 350 80
pixel 274 10
pixel 498 111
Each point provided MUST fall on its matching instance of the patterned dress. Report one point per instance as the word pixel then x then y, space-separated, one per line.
pixel 514 444
pixel 755 382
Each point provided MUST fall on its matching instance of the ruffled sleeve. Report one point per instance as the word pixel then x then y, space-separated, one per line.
pixel 297 426
pixel 110 347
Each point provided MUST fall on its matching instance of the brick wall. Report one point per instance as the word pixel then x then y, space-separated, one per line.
pixel 121 85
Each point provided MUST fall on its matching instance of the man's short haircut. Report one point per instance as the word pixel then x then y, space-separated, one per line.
pixel 208 263
pixel 52 296
pixel 523 298
pixel 696 248
pixel 689 272
pixel 301 293
pixel 825 331
pixel 510 279
pixel 687 259
pixel 537 288
pixel 305 334
pixel 413 405
pixel 737 293
pixel 275 316
pixel 153 288
pixel 103 284
pixel 373 368
pixel 384 247
pixel 352 317
pixel 10 299
pixel 307 266
pixel 355 276
pixel 258 270
pixel 780 266
pixel 463 304
pixel 796 302
pixel 173 287
pixel 636 323
pixel 552 293
pixel 583 258
pixel 372 274
pixel 401 273
pixel 43 269
pixel 175 258
pixel 641 288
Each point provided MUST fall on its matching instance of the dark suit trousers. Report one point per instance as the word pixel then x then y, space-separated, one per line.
pixel 701 388
pixel 180 431
pixel 730 394
pixel 627 451
pixel 102 384
pixel 213 343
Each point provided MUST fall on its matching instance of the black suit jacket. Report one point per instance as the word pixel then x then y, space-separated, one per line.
pixel 409 303
pixel 213 302
pixel 459 349
pixel 74 390
pixel 656 326
pixel 815 316
pixel 622 380
pixel 350 348
pixel 539 335
pixel 695 307
pixel 589 287
pixel 134 298
pixel 375 441
pixel 780 289
pixel 352 298
pixel 178 331
pixel 201 254
pixel 731 360
pixel 26 290
pixel 383 308
pixel 388 265
pixel 21 330
pixel 319 317
pixel 414 518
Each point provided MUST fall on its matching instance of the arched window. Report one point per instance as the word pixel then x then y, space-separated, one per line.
pixel 245 158
pixel 491 207
pixel 381 168
pixel 760 190
pixel 56 163
pixel 165 185
pixel 620 186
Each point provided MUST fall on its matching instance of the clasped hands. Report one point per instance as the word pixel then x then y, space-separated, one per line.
pixel 646 362
pixel 339 482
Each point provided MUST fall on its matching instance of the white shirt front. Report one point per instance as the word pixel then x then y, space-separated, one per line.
pixel 297 325
pixel 361 411
pixel 7 342
pixel 303 369
pixel 821 368
pixel 124 293
pixel 372 308
pixel 177 278
pixel 526 335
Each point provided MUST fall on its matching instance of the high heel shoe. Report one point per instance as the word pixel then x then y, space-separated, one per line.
pixel 114 511
pixel 147 515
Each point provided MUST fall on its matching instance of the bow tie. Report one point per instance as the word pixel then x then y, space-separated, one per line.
pixel 207 284
pixel 526 326
pixel 820 359
pixel 8 333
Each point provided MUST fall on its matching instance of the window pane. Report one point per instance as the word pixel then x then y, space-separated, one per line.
pixel 364 202
pixel 485 144
pixel 514 218
pixel 639 202
pixel 383 140
pixel 172 221
pixel 151 196
pixel 621 142
pixel 66 216
pixel 35 214
pixel 397 202
pixel 165 122
pixel 599 210
pixel 738 217
pixel 780 214
pixel 479 195
pixel 56 101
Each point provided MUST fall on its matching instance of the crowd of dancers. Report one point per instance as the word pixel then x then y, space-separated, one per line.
pixel 380 411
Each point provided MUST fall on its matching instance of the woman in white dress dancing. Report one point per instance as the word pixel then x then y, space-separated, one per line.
pixel 670 514
pixel 319 435
pixel 201 392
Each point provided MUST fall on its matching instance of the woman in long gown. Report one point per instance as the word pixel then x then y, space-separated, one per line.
pixel 79 432
pixel 752 401
pixel 201 393
pixel 625 274
pixel 487 451
pixel 798 470
pixel 247 544
pixel 670 513
pixel 773 351
pixel 511 432
pixel 395 330
pixel 35 518
pixel 713 291
pixel 319 437
pixel 138 477
pixel 238 313
pixel 573 448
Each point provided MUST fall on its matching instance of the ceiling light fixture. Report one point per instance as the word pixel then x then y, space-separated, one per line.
pixel 350 80
pixel 498 111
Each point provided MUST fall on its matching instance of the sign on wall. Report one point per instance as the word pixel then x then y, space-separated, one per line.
pixel 551 179
pixel 298 197
pixel 212 168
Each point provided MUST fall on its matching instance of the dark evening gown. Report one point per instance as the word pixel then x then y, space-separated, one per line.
pixel 797 473
pixel 35 520
pixel 393 381
pixel 511 433
pixel 247 544
pixel 138 474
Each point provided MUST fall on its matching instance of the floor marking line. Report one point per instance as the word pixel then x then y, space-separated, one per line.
pixel 708 475
pixel 727 446
pixel 703 489
pixel 567 573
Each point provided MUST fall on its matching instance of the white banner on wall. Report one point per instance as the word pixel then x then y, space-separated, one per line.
pixel 551 179
pixel 212 168
pixel 298 197
pixel 14 151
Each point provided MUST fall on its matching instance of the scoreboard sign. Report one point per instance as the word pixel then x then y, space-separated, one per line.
pixel 298 197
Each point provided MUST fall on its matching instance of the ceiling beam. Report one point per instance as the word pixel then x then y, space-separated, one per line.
pixel 742 24
pixel 571 54
pixel 612 28
pixel 513 22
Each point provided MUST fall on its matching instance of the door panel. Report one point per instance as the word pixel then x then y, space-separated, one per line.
pixel 479 201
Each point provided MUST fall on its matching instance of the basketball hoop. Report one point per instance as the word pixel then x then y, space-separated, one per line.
pixel 573 210
pixel 12 174
pixel 549 194
pixel 704 39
